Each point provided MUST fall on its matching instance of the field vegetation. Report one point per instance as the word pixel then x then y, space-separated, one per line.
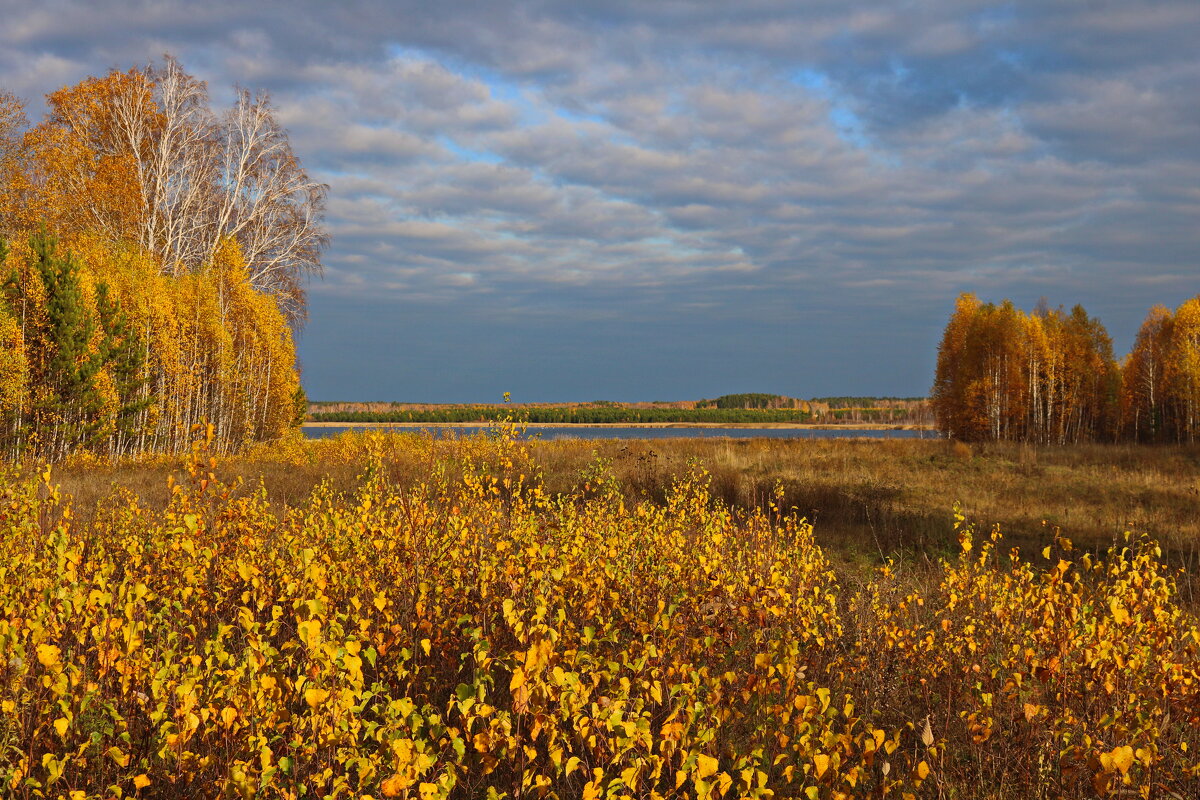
pixel 393 615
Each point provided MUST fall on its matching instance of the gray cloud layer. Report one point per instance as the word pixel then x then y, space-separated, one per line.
pixel 669 199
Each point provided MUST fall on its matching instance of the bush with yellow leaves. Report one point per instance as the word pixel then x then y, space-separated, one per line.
pixel 473 636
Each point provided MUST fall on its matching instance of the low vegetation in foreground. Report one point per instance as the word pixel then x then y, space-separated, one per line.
pixel 473 633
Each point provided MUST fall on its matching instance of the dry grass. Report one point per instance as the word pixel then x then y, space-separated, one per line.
pixel 871 498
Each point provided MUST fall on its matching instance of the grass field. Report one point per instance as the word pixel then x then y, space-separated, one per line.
pixel 397 616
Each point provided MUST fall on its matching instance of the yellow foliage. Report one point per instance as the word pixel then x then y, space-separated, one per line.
pixel 567 645
pixel 214 350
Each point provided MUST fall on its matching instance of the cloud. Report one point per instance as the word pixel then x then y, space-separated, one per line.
pixel 758 164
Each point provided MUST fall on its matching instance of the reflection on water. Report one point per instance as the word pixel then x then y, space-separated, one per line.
pixel 587 432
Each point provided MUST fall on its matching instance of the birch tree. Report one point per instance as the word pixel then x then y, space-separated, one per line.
pixel 141 155
pixel 1143 392
pixel 12 156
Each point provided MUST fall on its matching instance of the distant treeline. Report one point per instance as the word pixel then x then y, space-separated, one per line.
pixel 814 405
pixel 730 408
pixel 751 400
pixel 869 402
pixel 583 415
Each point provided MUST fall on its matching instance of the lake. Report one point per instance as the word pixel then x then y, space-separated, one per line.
pixel 615 432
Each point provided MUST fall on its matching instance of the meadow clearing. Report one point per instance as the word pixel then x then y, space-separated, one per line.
pixel 392 615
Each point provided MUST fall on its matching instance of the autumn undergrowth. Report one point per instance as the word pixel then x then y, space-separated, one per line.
pixel 436 620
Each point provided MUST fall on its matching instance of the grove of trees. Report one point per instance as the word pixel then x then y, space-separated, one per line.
pixel 152 258
pixel 1049 376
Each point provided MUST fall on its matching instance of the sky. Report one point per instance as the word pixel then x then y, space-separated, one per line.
pixel 633 200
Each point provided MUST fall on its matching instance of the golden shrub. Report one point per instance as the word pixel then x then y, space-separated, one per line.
pixel 475 637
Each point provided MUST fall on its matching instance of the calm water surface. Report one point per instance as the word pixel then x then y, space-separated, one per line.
pixel 587 432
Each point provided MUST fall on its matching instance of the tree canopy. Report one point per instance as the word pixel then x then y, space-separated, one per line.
pixel 1050 376
pixel 141 157
pixel 152 258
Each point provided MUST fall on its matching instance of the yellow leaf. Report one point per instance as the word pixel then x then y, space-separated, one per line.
pixel 393 786
pixel 1031 711
pixel 314 697
pixel 403 748
pixel 1122 758
pixel 572 764
pixel 428 791
pixel 1118 611
pixel 518 679
pixel 706 766
pixel 47 654
pixel 591 791
pixel 141 781
pixel 60 725
pixel 228 715
pixel 922 771
pixel 310 632
pixel 425 645
pixel 821 763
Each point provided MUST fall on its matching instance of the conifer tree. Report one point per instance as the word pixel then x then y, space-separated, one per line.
pixel 124 355
pixel 70 408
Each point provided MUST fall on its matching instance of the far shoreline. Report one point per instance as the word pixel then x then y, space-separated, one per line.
pixel 809 426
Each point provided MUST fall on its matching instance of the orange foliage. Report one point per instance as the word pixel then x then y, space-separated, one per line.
pixel 1045 377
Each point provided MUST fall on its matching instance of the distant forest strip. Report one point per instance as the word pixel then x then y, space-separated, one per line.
pixel 570 416
pixel 759 408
